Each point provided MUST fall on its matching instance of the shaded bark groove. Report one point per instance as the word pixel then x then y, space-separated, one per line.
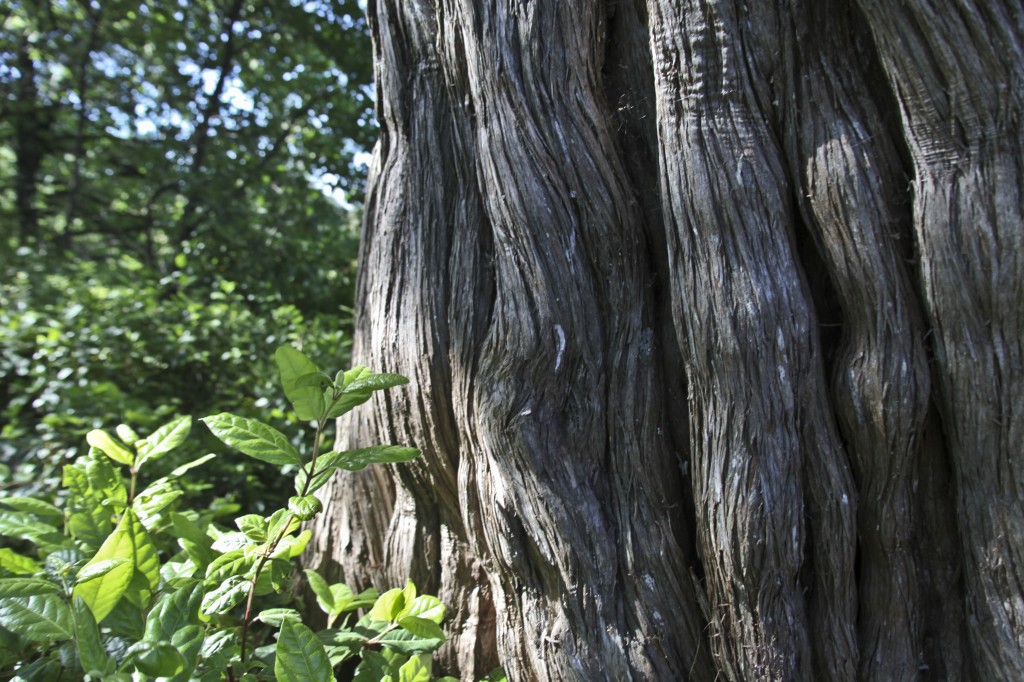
pixel 645 457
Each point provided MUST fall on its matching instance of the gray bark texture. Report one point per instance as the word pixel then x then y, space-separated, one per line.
pixel 713 313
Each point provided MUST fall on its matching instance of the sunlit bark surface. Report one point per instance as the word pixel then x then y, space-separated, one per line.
pixel 712 313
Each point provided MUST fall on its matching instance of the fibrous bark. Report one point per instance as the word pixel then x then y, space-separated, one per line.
pixel 673 282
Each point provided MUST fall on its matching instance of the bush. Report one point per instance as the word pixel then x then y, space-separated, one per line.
pixel 123 582
pixel 88 342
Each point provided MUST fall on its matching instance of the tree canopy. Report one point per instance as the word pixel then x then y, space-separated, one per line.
pixel 199 134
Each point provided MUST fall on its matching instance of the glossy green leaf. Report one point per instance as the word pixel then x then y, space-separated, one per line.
pixel 173 612
pixel 187 466
pixel 160 659
pixel 388 606
pixel 277 617
pixel 45 511
pixel 133 567
pixel 253 438
pixel 40 618
pixel 254 526
pixel 301 656
pixel 23 526
pixel 306 398
pixel 151 503
pixel 27 587
pixel 306 507
pixel 324 596
pixel 235 562
pixel 188 640
pixel 165 439
pixel 17 563
pixel 91 654
pixel 415 670
pixel 427 606
pixel 356 460
pixel 291 546
pixel 127 434
pixel 226 595
pixel 91 483
pixel 105 443
pixel 421 627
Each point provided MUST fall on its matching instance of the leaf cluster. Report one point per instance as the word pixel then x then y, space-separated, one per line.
pixel 124 583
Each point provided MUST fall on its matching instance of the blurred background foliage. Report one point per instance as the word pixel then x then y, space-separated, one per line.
pixel 180 192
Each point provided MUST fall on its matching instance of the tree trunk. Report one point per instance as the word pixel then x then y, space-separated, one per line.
pixel 713 317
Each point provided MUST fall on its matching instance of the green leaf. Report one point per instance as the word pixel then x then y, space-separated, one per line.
pixel 324 595
pixel 154 659
pixel 355 460
pixel 375 382
pixel 301 656
pixel 189 642
pixel 277 617
pixel 253 438
pixel 105 443
pixel 27 587
pixel 178 471
pixel 388 606
pixel 292 546
pixel 127 434
pixel 421 627
pixel 16 563
pixel 40 618
pixel 306 507
pixel 165 439
pixel 226 595
pixel 278 520
pixel 193 540
pixel 91 483
pixel 427 606
pixel 98 569
pixel 235 562
pixel 44 510
pixel 138 574
pixel 404 642
pixel 91 654
pixel 151 502
pixel 306 398
pixel 173 612
pixel 360 383
pixel 415 670
pixel 25 527
pixel 254 526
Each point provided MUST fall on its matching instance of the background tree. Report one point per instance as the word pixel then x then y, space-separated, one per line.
pixel 169 174
pixel 713 314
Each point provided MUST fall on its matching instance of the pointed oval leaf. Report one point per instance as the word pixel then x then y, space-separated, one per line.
pixel 301 657
pixel 295 368
pixel 166 438
pixel 415 670
pixel 356 460
pixel 253 438
pixel 324 596
pixel 93 656
pixel 102 441
pixel 27 587
pixel 421 627
pixel 427 606
pixel 40 618
pixel 388 605
pixel 225 596
pixel 305 507
pixel 39 508
pixel 16 563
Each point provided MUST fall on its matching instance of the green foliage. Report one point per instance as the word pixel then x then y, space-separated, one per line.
pixel 124 582
pixel 197 136
pixel 91 342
